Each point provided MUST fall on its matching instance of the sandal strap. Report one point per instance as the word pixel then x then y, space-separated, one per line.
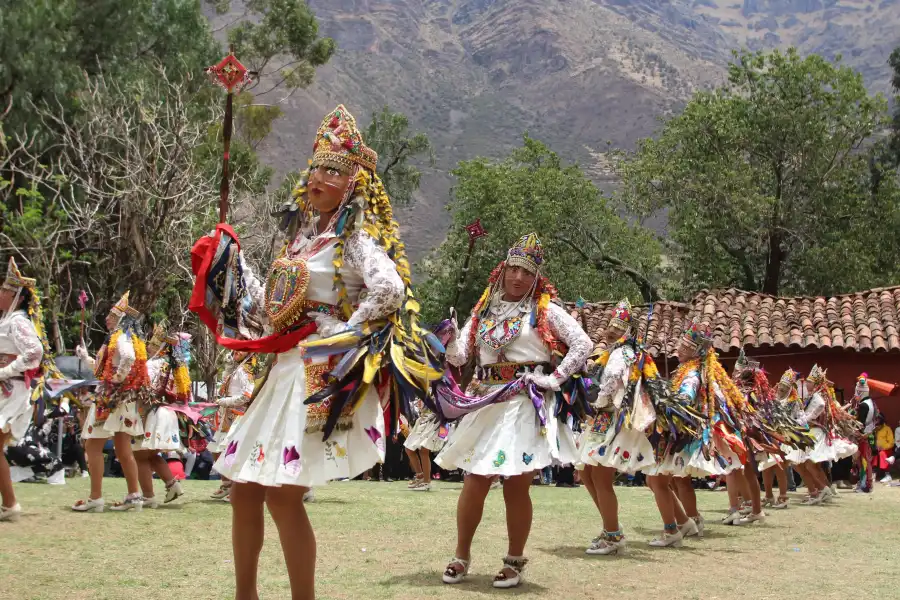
pixel 450 570
pixel 516 564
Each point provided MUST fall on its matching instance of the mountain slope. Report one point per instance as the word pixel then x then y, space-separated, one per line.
pixel 476 74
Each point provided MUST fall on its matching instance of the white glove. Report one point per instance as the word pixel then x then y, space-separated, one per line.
pixel 81 352
pixel 544 382
pixel 230 401
pixel 7 372
pixel 326 324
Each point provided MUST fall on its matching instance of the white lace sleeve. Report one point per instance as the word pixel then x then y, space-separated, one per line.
pixel 253 304
pixel 815 408
pixel 153 372
pixel 28 344
pixel 572 335
pixel 125 350
pixel 458 349
pixel 241 384
pixel 615 374
pixel 384 288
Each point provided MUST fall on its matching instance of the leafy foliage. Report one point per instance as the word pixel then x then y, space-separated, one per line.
pixel 532 190
pixel 766 183
pixel 388 134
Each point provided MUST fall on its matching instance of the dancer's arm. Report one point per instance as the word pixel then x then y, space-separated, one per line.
pixel 28 344
pixel 384 287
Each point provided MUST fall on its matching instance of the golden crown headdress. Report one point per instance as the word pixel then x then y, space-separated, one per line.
pixel 339 143
pixel 788 378
pixel 123 309
pixel 14 280
pixel 527 253
pixel 817 375
pixel 160 335
pixel 621 316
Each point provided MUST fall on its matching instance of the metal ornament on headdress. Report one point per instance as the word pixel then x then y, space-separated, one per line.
pixel 160 335
pixel 123 309
pixel 527 253
pixel 788 378
pixel 621 317
pixel 339 143
pixel 817 375
pixel 14 280
pixel 698 335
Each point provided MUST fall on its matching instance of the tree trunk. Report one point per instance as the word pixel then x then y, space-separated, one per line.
pixel 58 342
pixel 772 282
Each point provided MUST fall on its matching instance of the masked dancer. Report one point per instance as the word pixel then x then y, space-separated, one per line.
pixel 234 397
pixel 21 352
pixel 340 287
pixel 170 387
pixel 121 368
pixel 516 334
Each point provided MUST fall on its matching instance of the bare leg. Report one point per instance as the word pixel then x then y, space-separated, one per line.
pixel 469 509
pixel 659 484
pixel 298 541
pixel 93 449
pixel 684 489
pixel 425 462
pixel 781 474
pixel 160 466
pixel 247 532
pixel 122 443
pixel 752 484
pixel 6 484
pixel 607 502
pixel 587 476
pixel 145 472
pixel 769 480
pixel 519 514
pixel 735 484
pixel 413 457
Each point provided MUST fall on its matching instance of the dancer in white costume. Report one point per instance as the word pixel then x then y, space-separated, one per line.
pixel 234 397
pixel 832 427
pixel 426 436
pixel 514 332
pixel 788 410
pixel 20 358
pixel 341 275
pixel 170 384
pixel 121 367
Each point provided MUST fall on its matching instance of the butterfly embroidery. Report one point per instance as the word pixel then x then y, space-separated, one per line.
pixel 527 458
pixel 501 458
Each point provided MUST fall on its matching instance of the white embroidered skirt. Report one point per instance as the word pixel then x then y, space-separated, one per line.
pixel 506 439
pixel 15 410
pixel 270 445
pixel 426 434
pixel 825 449
pixel 218 443
pixel 124 419
pixel 160 431
pixel 628 452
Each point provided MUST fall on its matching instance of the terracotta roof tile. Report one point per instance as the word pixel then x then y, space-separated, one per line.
pixel 862 321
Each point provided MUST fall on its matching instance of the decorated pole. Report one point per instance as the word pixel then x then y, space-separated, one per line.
pixel 475 231
pixel 230 74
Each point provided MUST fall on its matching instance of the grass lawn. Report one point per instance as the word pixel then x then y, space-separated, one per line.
pixel 380 541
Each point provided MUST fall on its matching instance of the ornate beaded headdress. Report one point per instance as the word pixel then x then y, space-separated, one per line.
pixel 817 375
pixel 788 378
pixel 621 317
pixel 159 336
pixel 526 253
pixel 339 143
pixel 698 335
pixel 123 309
pixel 14 280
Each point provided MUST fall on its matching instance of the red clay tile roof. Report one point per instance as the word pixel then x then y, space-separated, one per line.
pixel 864 321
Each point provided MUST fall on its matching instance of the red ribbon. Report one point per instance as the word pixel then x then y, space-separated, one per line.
pixel 202 255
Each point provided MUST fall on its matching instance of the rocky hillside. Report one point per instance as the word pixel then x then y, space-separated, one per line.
pixel 476 74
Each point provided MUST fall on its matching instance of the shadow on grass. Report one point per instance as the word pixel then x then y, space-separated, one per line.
pixel 635 552
pixel 708 534
pixel 479 582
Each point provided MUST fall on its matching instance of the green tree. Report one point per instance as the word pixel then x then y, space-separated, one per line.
pixel 765 184
pixel 588 247
pixel 388 134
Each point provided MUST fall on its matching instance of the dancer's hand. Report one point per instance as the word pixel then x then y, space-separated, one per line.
pixel 81 352
pixel 544 382
pixel 327 325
